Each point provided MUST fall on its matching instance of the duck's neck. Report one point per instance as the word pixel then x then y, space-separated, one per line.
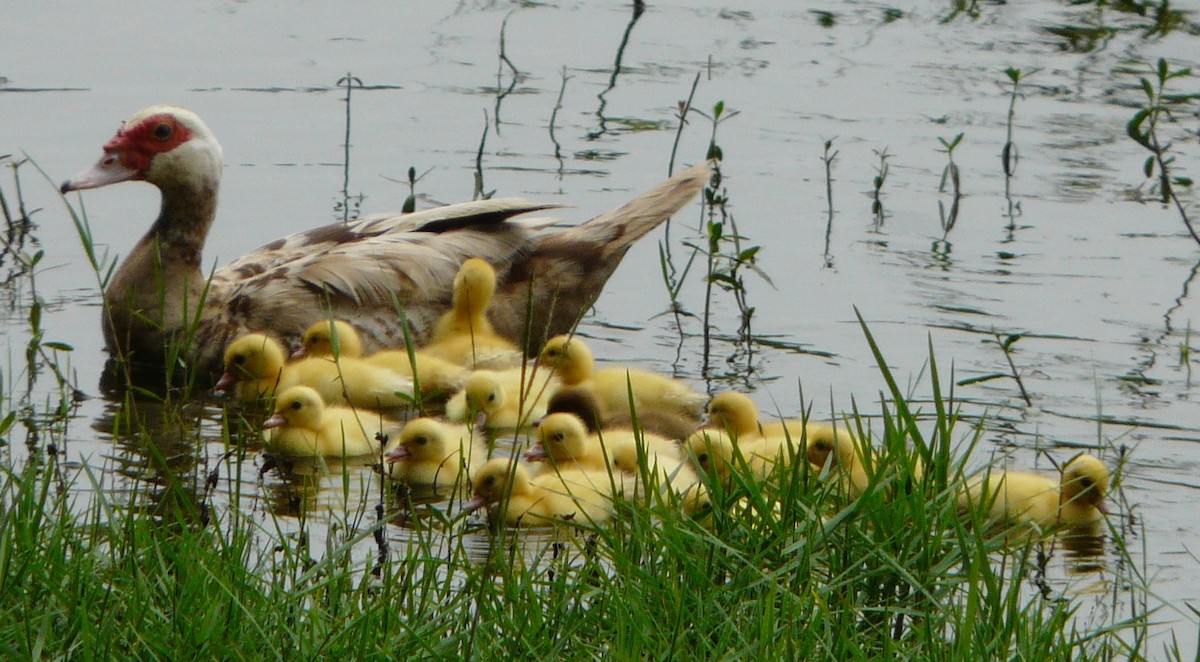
pixel 157 290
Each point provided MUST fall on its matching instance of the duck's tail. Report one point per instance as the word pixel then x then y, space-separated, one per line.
pixel 615 231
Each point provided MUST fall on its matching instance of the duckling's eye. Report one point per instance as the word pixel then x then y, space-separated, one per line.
pixel 491 397
pixel 163 130
pixel 558 436
pixel 1085 482
pixel 489 481
pixel 703 458
pixel 297 405
pixel 421 441
pixel 239 359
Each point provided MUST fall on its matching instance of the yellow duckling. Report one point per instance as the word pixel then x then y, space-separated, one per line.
pixel 582 402
pixel 304 426
pixel 255 364
pixel 429 452
pixel 551 498
pixel 463 335
pixel 736 413
pixel 658 471
pixel 510 398
pixel 563 439
pixel 432 373
pixel 1075 499
pixel 575 366
pixel 715 453
pixel 837 449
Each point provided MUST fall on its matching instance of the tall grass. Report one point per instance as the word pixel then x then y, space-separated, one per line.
pixel 790 570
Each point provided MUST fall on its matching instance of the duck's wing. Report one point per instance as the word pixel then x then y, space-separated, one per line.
pixel 362 271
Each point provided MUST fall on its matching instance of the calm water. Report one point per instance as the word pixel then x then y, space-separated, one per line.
pixel 1077 255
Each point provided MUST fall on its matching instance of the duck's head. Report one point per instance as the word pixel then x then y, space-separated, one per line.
pixel 164 145
pixel 421 438
pixel 712 451
pixel 330 338
pixel 484 393
pixel 569 356
pixel 561 437
pixel 299 407
pixel 1085 480
pixel 250 357
pixel 492 482
pixel 578 401
pixel 474 286
pixel 623 456
pixel 733 411
pixel 832 447
pixel 697 503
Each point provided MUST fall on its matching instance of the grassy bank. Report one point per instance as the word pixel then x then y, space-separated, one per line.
pixel 795 572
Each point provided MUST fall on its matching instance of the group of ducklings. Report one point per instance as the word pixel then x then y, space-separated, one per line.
pixel 602 433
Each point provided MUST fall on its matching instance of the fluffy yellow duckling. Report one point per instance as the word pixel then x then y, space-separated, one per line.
pixel 254 362
pixel 575 366
pixel 304 426
pixel 510 398
pixel 659 471
pixel 464 335
pixel 564 441
pixel 429 452
pixel 432 373
pixel 550 498
pixel 582 402
pixel 1075 499
pixel 736 413
pixel 714 453
pixel 837 449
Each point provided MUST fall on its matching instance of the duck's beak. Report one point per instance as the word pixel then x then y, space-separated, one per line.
pixel 475 504
pixel 1102 507
pixel 300 353
pixel 537 453
pixel 108 170
pixel 397 454
pixel 224 383
pixel 275 421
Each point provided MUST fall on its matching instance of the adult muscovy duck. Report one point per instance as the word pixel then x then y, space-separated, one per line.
pixel 363 271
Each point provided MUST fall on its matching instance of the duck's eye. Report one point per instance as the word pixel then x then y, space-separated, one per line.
pixel 558 436
pixel 297 405
pixel 163 130
pixel 491 397
pixel 489 481
pixel 1085 482
pixel 702 458
pixel 421 441
pixel 239 359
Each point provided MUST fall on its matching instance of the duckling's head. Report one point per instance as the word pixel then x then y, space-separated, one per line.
pixel 562 438
pixel 623 455
pixel 1085 480
pixel 578 401
pixel 250 357
pixel 696 503
pixel 331 338
pixel 298 407
pixel 734 412
pixel 829 446
pixel 493 479
pixel 569 356
pixel 484 393
pixel 712 451
pixel 474 287
pixel 421 439
pixel 167 146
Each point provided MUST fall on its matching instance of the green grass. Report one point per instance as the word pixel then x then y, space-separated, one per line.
pixel 795 571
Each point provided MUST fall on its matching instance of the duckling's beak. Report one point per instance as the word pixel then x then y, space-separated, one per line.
pixel 275 421
pixel 397 454
pixel 1102 507
pixel 537 453
pixel 300 353
pixel 224 383
pixel 476 503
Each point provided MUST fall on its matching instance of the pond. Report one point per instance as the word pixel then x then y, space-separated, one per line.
pixel 827 107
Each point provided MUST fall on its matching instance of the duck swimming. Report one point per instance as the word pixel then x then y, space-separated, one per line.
pixel 553 497
pixel 434 375
pixel 304 426
pixel 161 297
pixel 430 452
pixel 1074 499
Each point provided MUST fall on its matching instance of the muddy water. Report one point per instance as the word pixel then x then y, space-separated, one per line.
pixel 1072 251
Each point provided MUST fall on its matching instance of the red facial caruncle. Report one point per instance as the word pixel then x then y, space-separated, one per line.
pixel 136 145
